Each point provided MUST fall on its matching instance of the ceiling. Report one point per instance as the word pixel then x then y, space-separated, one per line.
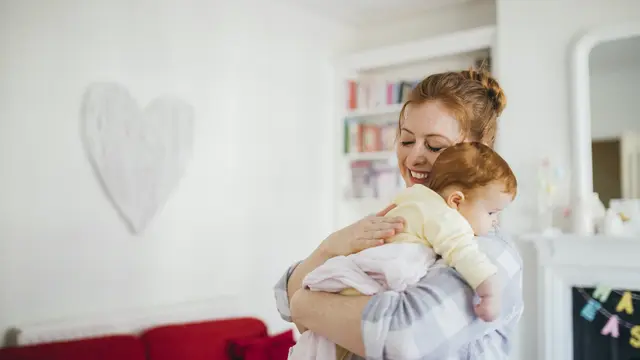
pixel 358 12
pixel 615 54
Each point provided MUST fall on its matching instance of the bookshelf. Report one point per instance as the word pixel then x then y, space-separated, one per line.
pixel 373 85
pixel 374 155
pixel 387 109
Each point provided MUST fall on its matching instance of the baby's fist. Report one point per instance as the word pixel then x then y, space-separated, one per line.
pixel 488 308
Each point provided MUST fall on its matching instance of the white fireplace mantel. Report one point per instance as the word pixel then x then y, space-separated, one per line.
pixel 577 261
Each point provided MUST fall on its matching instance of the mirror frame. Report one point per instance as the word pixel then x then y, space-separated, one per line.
pixel 580 108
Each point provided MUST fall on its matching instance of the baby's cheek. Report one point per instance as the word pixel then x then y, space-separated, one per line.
pixel 484 227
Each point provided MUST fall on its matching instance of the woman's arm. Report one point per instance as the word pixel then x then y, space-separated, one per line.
pixel 368 232
pixel 423 322
pixel 291 282
pixel 281 295
pixel 317 258
pixel 431 320
pixel 336 317
pixel 389 325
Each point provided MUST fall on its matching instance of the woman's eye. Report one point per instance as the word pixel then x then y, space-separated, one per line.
pixel 434 149
pixel 406 143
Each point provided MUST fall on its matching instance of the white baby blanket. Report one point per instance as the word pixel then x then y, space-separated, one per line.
pixel 388 267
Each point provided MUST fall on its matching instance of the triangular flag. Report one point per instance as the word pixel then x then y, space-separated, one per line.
pixel 626 303
pixel 601 293
pixel 611 327
pixel 589 310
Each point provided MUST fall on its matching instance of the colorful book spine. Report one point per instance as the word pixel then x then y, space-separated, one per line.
pixel 365 137
pixel 374 179
pixel 352 95
pixel 372 94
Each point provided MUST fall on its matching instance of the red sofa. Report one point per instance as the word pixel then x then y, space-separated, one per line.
pixel 231 339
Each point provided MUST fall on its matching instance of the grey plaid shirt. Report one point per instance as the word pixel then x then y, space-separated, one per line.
pixel 434 319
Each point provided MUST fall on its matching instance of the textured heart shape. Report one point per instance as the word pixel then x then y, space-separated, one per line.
pixel 138 155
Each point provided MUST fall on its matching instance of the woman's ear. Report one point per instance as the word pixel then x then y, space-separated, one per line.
pixel 455 199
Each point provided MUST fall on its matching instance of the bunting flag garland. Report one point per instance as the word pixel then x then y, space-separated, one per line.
pixel 611 328
pixel 626 303
pixel 589 311
pixel 594 306
pixel 601 293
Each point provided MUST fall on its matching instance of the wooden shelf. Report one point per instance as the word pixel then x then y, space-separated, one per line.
pixel 374 155
pixel 422 50
pixel 378 111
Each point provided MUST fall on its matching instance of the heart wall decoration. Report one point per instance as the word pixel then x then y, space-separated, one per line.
pixel 138 155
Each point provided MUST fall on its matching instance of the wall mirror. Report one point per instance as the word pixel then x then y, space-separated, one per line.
pixel 605 69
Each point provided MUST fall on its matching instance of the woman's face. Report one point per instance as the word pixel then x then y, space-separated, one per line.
pixel 426 130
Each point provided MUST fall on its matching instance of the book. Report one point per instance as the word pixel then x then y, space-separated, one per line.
pixel 374 179
pixel 405 88
pixel 388 135
pixel 352 95
pixel 369 137
pixel 375 93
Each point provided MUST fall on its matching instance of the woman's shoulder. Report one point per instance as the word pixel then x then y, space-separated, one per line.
pixel 501 249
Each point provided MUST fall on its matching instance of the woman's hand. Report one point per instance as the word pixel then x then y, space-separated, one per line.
pixel 368 232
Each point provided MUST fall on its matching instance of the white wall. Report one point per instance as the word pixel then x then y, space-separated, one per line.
pixel 614 98
pixel 425 24
pixel 261 80
pixel 534 38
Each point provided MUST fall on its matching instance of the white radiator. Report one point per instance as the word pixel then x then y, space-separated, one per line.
pixel 60 332
pixel 131 321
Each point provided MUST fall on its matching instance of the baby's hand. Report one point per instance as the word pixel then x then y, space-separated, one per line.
pixel 489 306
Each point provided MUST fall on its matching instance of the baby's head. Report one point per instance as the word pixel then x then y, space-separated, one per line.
pixel 476 181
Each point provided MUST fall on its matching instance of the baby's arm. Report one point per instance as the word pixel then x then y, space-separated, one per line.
pixel 452 238
pixel 488 291
pixel 445 230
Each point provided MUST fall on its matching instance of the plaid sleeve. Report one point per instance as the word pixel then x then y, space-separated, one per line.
pixel 435 318
pixel 280 292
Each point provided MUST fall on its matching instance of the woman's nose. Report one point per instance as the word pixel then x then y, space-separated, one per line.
pixel 418 154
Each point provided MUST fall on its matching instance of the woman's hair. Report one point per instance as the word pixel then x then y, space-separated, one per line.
pixel 473 96
pixel 470 165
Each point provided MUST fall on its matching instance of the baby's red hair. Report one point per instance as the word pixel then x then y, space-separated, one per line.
pixel 471 165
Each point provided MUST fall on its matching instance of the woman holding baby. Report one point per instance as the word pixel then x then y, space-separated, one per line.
pixel 435 318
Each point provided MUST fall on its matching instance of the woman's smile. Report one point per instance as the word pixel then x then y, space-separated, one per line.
pixel 418 177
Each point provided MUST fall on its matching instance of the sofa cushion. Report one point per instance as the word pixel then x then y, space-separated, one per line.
pixel 263 348
pixel 121 347
pixel 280 345
pixel 199 341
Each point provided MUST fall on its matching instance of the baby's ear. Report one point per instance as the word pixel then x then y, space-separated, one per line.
pixel 454 199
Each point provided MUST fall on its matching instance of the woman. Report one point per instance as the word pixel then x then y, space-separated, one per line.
pixel 434 319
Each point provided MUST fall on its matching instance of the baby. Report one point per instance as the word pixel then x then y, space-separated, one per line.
pixel 467 188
